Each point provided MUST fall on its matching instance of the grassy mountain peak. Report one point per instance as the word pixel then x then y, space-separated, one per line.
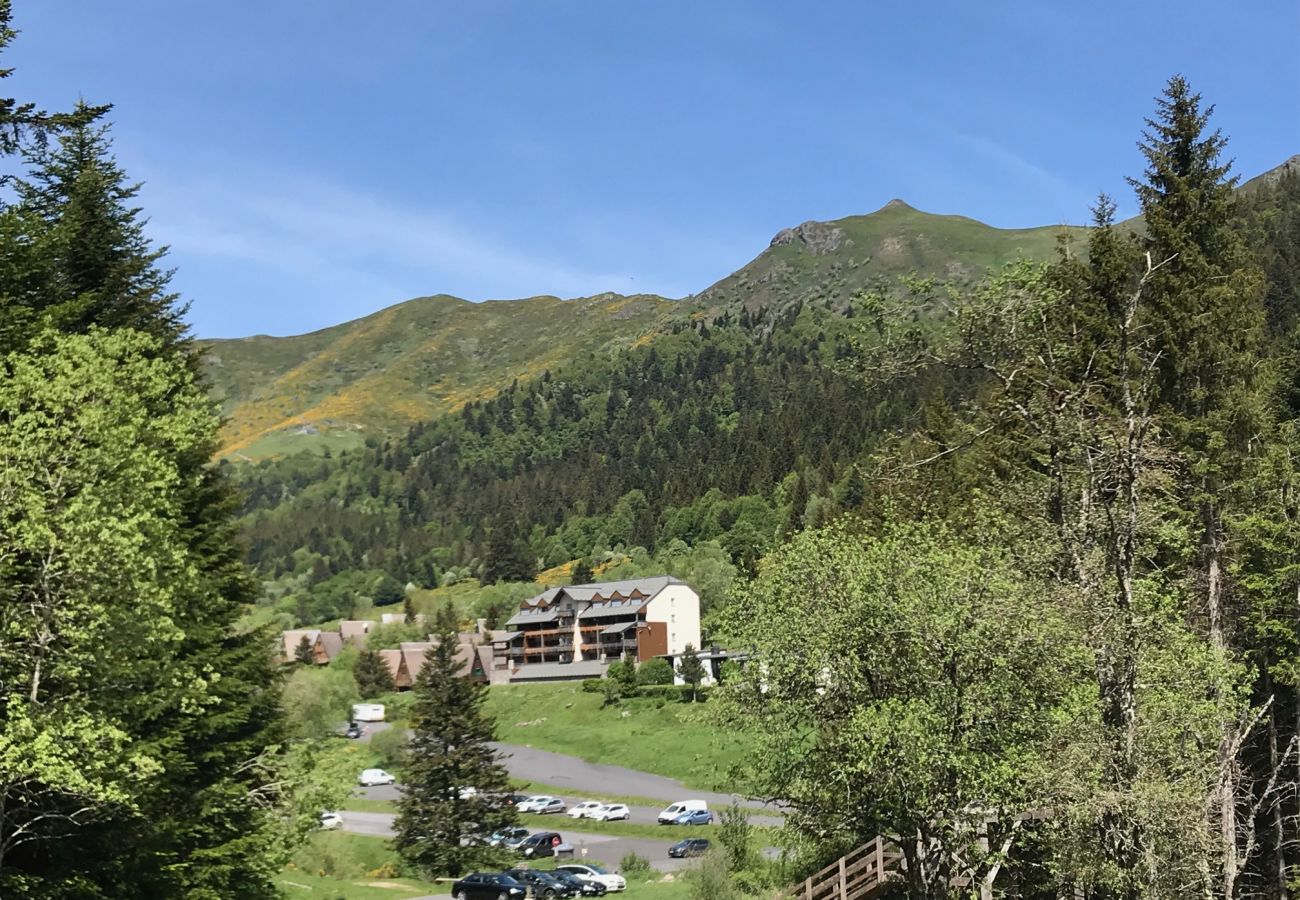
pixel 404 364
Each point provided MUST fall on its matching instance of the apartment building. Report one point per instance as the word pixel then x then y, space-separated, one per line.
pixel 577 630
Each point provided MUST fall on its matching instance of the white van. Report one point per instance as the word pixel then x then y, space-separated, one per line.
pixel 367 712
pixel 670 814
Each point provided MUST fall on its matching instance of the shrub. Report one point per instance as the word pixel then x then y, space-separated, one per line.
pixel 655 672
pixel 592 685
pixel 734 836
pixel 710 879
pixel 634 864
pixel 389 744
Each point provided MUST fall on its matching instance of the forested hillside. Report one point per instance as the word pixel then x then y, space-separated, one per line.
pixel 739 432
pixel 374 377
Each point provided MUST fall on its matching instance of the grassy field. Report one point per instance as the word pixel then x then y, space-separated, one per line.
pixel 339 866
pixel 675 739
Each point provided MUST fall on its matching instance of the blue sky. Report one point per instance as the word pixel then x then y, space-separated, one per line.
pixel 311 161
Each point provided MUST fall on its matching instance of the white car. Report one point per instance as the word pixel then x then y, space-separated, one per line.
pixel 330 821
pixel 536 803
pixel 371 777
pixel 608 812
pixel 596 874
pixel 584 809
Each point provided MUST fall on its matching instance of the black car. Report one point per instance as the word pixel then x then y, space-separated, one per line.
pixel 354 731
pixel 689 847
pixel 542 843
pixel 488 886
pixel 580 887
pixel 541 884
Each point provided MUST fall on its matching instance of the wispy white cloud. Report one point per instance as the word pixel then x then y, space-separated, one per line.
pixel 321 231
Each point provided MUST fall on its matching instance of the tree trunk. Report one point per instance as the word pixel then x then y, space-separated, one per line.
pixel 1279 827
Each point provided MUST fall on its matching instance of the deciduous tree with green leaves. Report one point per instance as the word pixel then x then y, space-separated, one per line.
pixel 909 684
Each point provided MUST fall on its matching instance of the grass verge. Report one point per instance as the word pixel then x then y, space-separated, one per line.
pixel 671 739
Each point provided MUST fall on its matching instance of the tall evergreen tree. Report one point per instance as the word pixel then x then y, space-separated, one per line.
pixel 102 270
pixel 1209 298
pixel 21 123
pixel 692 671
pixel 456 787
pixel 582 572
pixel 372 676
pixel 509 558
pixel 204 825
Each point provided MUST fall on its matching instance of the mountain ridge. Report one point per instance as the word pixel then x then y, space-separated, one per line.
pixel 429 355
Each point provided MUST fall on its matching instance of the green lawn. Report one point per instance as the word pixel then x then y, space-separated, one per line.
pixel 672 739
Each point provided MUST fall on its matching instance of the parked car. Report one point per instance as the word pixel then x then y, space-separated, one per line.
pixel 543 843
pixel 354 731
pixel 330 821
pixel 694 817
pixel 689 847
pixel 542 804
pixel 506 836
pixel 579 886
pixel 608 812
pixel 584 809
pixel 541 884
pixel 516 799
pixel 488 886
pixel 371 777
pixel 669 815
pixel 610 880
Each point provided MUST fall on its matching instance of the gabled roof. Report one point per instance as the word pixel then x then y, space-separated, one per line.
pixel 393 660
pixel 413 653
pixel 293 637
pixel 633 593
pixel 329 643
pixel 355 629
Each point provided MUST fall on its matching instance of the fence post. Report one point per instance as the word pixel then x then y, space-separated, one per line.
pixel 880 860
pixel 844 880
pixel 807 888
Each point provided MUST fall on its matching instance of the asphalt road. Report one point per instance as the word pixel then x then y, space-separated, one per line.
pixel 576 779
pixel 607 849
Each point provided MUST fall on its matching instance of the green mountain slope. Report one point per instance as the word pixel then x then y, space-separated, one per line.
pixel 412 361
pixel 404 364
pixel 832 261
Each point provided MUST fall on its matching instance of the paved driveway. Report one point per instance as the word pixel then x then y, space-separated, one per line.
pixel 575 779
pixel 608 849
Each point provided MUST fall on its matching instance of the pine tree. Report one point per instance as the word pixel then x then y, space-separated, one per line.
pixel 372 676
pixel 408 610
pixel 206 824
pixel 303 652
pixel 22 123
pixel 692 671
pixel 582 572
pixel 102 270
pixel 624 674
pixel 456 786
pixel 508 557
pixel 1209 300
